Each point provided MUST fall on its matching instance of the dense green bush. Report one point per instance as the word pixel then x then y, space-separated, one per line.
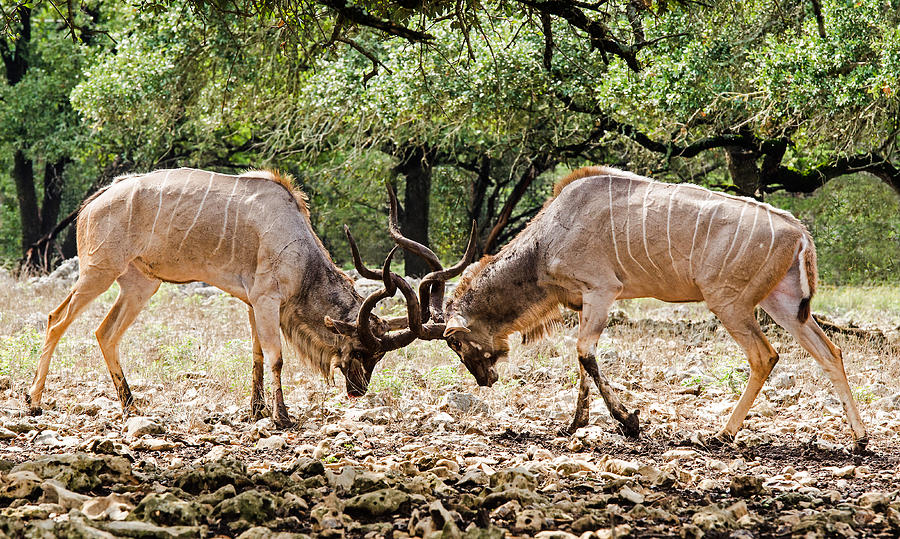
pixel 855 222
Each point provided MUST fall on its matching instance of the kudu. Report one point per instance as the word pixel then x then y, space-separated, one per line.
pixel 608 235
pixel 249 235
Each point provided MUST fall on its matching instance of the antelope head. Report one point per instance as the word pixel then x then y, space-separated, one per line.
pixel 474 345
pixel 367 339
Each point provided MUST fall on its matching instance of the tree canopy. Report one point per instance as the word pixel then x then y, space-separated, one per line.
pixel 471 107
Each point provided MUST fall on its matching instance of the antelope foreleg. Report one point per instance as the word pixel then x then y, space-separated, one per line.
pixel 86 289
pixel 629 422
pixel 135 289
pixel 583 404
pixel 595 310
pixel 265 313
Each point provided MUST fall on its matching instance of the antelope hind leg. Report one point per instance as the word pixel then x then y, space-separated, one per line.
pixel 135 289
pixel 782 305
pixel 744 328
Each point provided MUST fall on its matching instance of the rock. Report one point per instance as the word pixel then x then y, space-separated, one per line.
pixel 81 472
pixel 521 495
pixel 846 471
pixel 246 509
pixel 746 486
pixel 514 478
pixel 52 438
pixel 86 408
pixel 680 454
pixel 55 492
pixel 145 530
pixel 888 404
pixel 271 443
pixel 555 534
pixel 167 510
pixel 713 518
pixel 783 380
pixel 308 467
pixel 621 467
pixel 112 507
pixel 629 495
pixel 377 503
pixel 215 475
pixel 260 532
pixel 153 444
pixel 529 522
pixel 138 426
pixel 876 500
pixel 464 402
pixel 217 497
pixel 21 484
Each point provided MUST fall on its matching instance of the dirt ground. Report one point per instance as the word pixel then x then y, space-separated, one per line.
pixel 426 452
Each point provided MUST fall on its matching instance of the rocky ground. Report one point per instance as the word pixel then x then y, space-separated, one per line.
pixel 427 453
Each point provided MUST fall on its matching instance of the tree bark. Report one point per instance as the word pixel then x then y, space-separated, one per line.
pixel 416 166
pixel 743 169
pixel 23 176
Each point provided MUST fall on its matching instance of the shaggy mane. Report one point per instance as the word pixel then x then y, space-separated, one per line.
pixel 577 174
pixel 283 179
pixel 465 282
pixel 310 347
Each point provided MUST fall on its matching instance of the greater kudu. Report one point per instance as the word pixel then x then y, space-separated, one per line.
pixel 608 235
pixel 248 235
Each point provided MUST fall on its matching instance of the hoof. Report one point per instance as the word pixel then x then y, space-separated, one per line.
pixel 631 427
pixel 35 410
pixel 859 446
pixel 258 411
pixel 283 422
pixel 721 439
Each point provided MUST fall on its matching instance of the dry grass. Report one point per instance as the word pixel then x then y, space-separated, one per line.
pixel 187 357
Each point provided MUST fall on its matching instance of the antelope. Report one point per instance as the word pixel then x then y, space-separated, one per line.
pixel 607 235
pixel 249 235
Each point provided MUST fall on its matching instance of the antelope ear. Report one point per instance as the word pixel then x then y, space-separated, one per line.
pixel 339 327
pixel 456 324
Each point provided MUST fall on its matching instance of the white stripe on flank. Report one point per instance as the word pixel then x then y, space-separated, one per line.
pixel 199 210
pixel 237 223
pixel 644 227
pixel 749 236
pixel 131 209
pixel 694 238
pixel 737 232
pixel 225 221
pixel 669 231
pixel 768 254
pixel 612 226
pixel 177 203
pixel 708 230
pixel 628 227
pixel 162 188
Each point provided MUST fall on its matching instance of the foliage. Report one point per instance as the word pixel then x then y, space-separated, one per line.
pixel 855 221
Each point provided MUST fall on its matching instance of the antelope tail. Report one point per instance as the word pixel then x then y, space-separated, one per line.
pixel 808 275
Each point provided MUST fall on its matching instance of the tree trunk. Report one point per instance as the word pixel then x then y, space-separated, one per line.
pixel 23 175
pixel 416 167
pixel 743 169
pixel 53 189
